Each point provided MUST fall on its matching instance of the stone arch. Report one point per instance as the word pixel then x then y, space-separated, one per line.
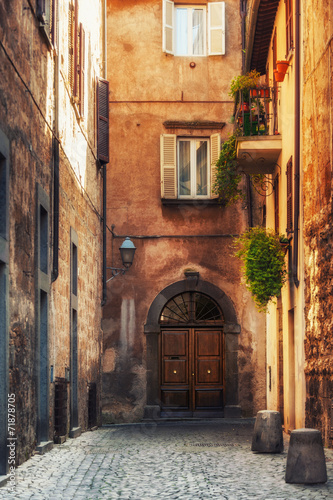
pixel 231 330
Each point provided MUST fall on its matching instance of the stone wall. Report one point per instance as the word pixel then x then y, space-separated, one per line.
pixel 28 109
pixel 318 230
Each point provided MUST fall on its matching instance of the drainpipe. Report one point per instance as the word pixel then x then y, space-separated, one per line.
pixel 243 15
pixel 104 177
pixel 55 265
pixel 297 141
pixel 104 236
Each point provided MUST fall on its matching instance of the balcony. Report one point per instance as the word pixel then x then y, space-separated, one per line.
pixel 258 143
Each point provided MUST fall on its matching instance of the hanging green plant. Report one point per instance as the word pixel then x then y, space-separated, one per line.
pixel 264 264
pixel 244 82
pixel 227 178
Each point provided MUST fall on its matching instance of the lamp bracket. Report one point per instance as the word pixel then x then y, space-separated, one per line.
pixel 115 271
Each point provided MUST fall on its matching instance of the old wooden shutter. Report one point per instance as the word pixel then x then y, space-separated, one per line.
pixel 216 28
pixel 215 147
pixel 289 26
pixel 168 26
pixel 81 70
pixel 168 166
pixel 290 195
pixel 276 205
pixel 103 120
pixel 71 46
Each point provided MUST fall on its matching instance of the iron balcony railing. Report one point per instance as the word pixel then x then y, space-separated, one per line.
pixel 256 112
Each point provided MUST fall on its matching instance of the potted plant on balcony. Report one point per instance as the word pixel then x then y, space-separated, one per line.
pixel 243 83
pixel 264 264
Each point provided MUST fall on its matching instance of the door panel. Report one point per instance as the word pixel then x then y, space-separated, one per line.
pixel 208 371
pixel 175 400
pixel 175 393
pixel 175 372
pixel 192 372
pixel 208 343
pixel 208 399
pixel 175 343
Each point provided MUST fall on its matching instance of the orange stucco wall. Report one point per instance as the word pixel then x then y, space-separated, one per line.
pixel 147 88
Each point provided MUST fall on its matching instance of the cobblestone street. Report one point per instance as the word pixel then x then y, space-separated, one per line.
pixel 174 460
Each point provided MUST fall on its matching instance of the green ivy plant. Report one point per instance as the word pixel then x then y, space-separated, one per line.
pixel 245 83
pixel 264 267
pixel 227 178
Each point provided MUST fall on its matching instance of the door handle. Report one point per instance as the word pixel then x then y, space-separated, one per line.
pixel 192 374
pixel 208 371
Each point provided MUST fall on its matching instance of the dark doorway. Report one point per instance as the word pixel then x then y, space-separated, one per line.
pixel 191 357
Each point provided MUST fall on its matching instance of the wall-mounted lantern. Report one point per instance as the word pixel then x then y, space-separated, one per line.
pixel 127 251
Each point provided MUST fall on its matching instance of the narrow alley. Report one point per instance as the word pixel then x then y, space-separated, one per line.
pixel 171 460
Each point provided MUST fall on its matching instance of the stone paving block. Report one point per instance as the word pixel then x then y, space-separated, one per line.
pixel 177 461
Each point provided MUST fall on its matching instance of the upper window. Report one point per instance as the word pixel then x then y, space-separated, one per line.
pixel 289 26
pixel 188 166
pixel 47 15
pixel 190 31
pixel 185 29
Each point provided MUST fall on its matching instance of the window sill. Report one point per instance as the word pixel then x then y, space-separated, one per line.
pixel 197 202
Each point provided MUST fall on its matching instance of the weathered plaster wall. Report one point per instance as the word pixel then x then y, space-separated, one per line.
pixel 318 232
pixel 285 320
pixel 148 87
pixel 28 125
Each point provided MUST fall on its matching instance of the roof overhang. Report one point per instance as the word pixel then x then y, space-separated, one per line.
pixel 258 154
pixel 260 23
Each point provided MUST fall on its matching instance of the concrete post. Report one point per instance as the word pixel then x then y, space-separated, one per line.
pixel 306 460
pixel 267 435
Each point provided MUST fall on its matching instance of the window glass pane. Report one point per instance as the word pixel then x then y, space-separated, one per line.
pixel 181 32
pixel 198 32
pixel 201 158
pixel 184 167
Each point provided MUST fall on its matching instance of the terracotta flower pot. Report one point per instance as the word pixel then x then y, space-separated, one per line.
pixel 253 92
pixel 279 77
pixel 282 66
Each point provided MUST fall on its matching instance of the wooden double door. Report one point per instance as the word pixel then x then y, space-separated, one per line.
pixel 191 372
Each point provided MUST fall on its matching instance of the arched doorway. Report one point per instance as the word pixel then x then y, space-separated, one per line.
pixel 192 328
pixel 191 363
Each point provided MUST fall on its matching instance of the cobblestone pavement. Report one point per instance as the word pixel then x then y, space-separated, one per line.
pixel 171 460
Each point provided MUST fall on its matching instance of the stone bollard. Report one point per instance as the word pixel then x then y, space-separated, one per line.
pixel 267 435
pixel 306 460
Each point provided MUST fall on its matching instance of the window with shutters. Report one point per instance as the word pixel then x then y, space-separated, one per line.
pixel 276 205
pixel 102 99
pixel 188 166
pixel 76 58
pixel 289 26
pixel 193 30
pixel 290 195
pixel 47 15
pixel 73 43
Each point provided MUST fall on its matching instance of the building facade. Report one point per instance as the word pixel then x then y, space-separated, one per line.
pixel 52 55
pixel 181 336
pixel 299 345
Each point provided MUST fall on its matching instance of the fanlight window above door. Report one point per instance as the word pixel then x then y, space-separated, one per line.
pixel 191 307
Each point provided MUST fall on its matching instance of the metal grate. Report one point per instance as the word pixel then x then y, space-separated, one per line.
pixel 191 307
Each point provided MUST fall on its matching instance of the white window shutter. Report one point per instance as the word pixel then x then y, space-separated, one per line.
pixel 216 28
pixel 215 148
pixel 168 26
pixel 168 166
